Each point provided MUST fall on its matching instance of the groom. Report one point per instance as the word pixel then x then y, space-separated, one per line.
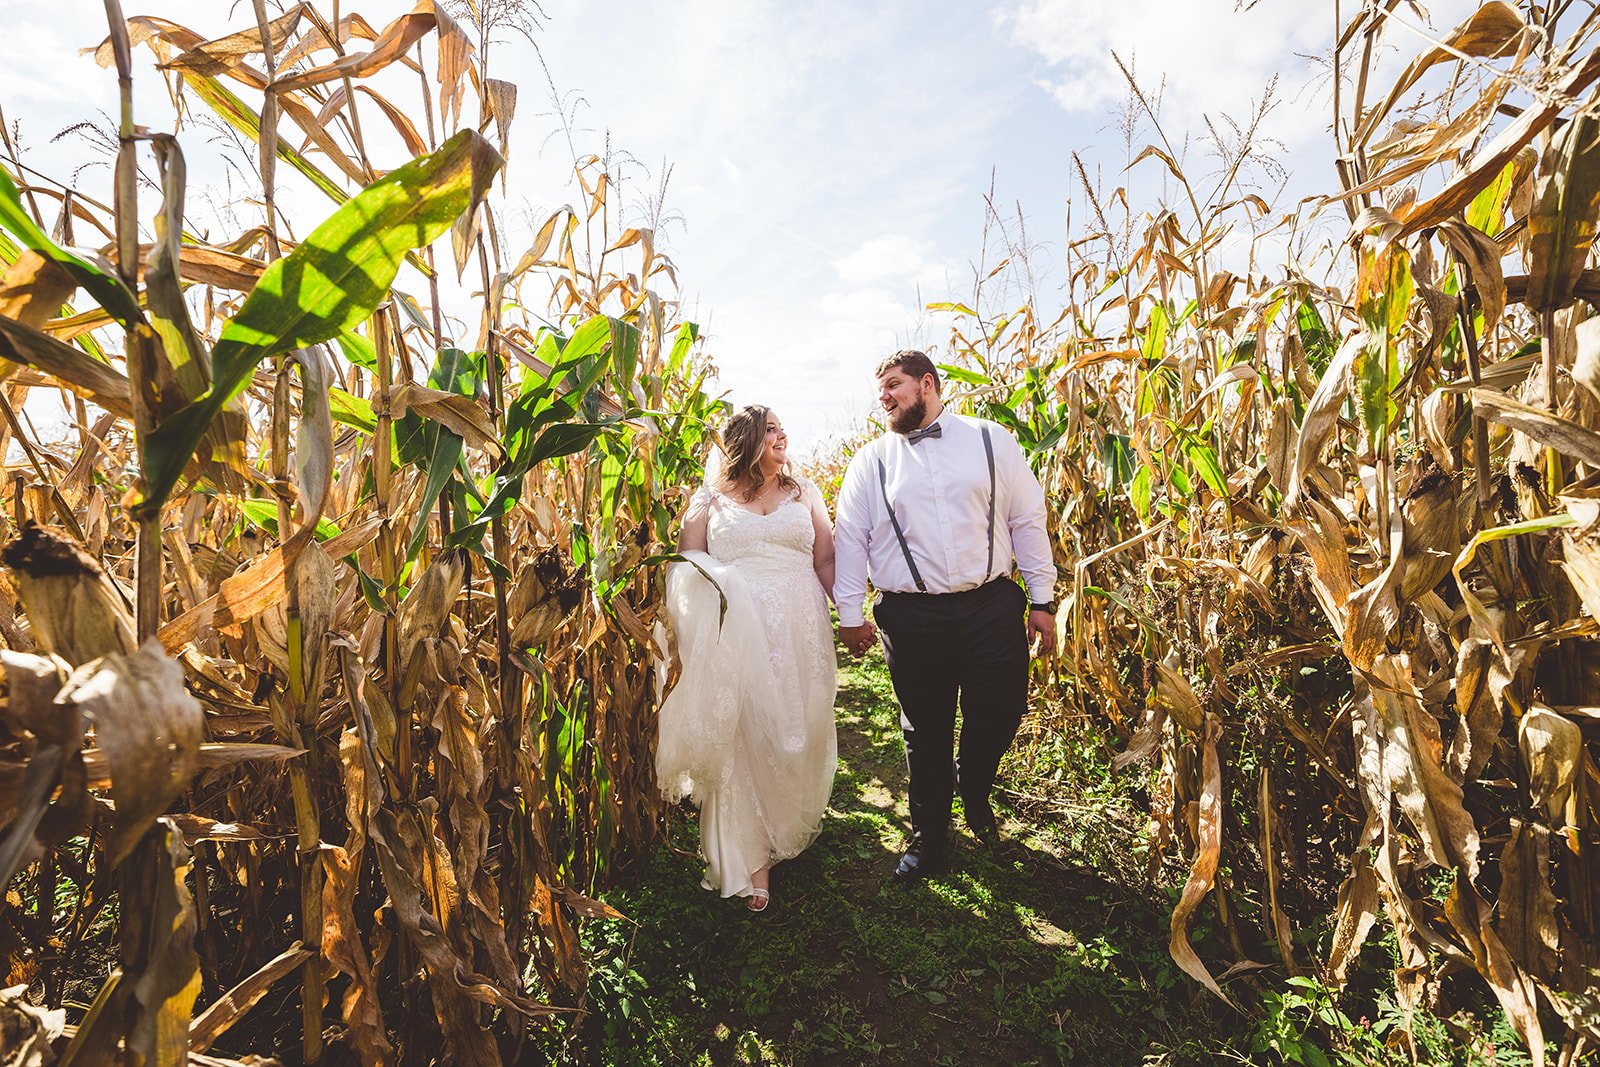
pixel 934 513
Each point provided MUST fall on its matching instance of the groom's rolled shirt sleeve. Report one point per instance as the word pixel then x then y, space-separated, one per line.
pixel 852 535
pixel 1025 517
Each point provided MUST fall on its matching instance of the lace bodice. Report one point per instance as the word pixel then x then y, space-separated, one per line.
pixel 762 546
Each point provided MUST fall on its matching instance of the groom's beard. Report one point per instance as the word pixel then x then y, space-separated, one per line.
pixel 907 419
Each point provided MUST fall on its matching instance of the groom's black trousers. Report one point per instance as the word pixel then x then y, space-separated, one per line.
pixel 941 646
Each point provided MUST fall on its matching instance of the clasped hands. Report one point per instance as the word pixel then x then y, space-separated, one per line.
pixel 857 639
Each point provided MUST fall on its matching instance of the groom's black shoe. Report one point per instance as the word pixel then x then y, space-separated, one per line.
pixel 922 860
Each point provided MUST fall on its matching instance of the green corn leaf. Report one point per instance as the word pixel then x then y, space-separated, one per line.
pixel 1206 465
pixel 1116 459
pixel 963 375
pixel 352 411
pixel 106 289
pixel 1139 494
pixel 357 349
pixel 330 282
pixel 688 333
pixel 440 451
pixel 264 513
pixel 1384 287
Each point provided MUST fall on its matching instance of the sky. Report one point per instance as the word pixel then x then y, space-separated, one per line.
pixel 829 159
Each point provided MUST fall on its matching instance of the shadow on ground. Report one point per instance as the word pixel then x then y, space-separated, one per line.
pixel 1021 956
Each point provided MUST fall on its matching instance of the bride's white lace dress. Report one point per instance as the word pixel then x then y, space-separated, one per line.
pixel 748 731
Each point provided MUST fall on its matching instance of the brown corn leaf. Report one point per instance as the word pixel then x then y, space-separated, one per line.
pixel 1552 749
pixel 1495 29
pixel 461 415
pixel 1561 223
pixel 1547 428
pixel 426 607
pixel 1402 757
pixel 71 605
pixel 401 122
pixel 341 940
pixel 1525 914
pixel 1481 171
pixel 222 55
pixel 163 36
pixel 197 828
pixel 1580 559
pixel 149 728
pixel 1174 694
pixel 1373 610
pixel 1269 862
pixel 164 992
pixel 1482 675
pixel 1322 414
pixel 232 1005
pixel 27 1032
pixel 1432 534
pixel 1481 254
pixel 315 127
pixel 1469 914
pixel 91 379
pixel 587 907
pixel 1146 740
pixel 392 44
pixel 34 288
pixel 211 756
pixel 1354 915
pixel 1486 624
pixel 1203 871
pixel 260 585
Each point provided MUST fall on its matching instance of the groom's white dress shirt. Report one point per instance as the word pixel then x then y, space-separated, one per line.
pixel 939 488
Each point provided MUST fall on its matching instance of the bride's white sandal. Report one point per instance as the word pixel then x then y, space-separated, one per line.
pixel 759 899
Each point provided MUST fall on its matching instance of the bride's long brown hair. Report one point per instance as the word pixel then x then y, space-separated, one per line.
pixel 744 439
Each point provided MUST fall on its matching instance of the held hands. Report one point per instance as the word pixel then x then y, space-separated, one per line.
pixel 857 639
pixel 1042 624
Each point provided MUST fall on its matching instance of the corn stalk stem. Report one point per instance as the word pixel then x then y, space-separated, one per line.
pixel 1554 482
pixel 1480 427
pixel 136 889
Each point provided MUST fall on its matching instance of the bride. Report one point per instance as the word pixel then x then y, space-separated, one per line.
pixel 748 732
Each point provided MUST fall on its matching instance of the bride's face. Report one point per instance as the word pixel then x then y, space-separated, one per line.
pixel 777 446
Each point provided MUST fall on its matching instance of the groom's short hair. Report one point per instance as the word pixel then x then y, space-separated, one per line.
pixel 911 362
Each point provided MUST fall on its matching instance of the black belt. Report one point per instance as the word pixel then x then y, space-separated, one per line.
pixel 923 594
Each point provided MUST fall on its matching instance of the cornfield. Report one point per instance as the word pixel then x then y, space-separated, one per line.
pixel 1332 544
pixel 328 623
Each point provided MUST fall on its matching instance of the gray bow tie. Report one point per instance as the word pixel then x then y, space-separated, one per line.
pixel 928 431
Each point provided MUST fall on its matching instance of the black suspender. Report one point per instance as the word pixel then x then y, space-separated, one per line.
pixel 988 451
pixel 883 484
pixel 905 549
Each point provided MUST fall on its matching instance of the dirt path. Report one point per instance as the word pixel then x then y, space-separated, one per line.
pixel 1017 957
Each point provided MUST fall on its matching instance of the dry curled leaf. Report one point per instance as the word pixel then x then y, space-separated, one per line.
pixel 149 729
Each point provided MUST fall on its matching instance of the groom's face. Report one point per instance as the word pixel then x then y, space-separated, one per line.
pixel 904 399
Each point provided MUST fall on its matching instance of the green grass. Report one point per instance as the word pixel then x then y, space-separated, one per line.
pixel 1025 956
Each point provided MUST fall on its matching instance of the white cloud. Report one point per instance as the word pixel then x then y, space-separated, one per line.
pixel 1212 57
pixel 895 259
pixel 1205 57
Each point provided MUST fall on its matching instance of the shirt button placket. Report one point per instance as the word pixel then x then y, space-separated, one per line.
pixel 947 541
